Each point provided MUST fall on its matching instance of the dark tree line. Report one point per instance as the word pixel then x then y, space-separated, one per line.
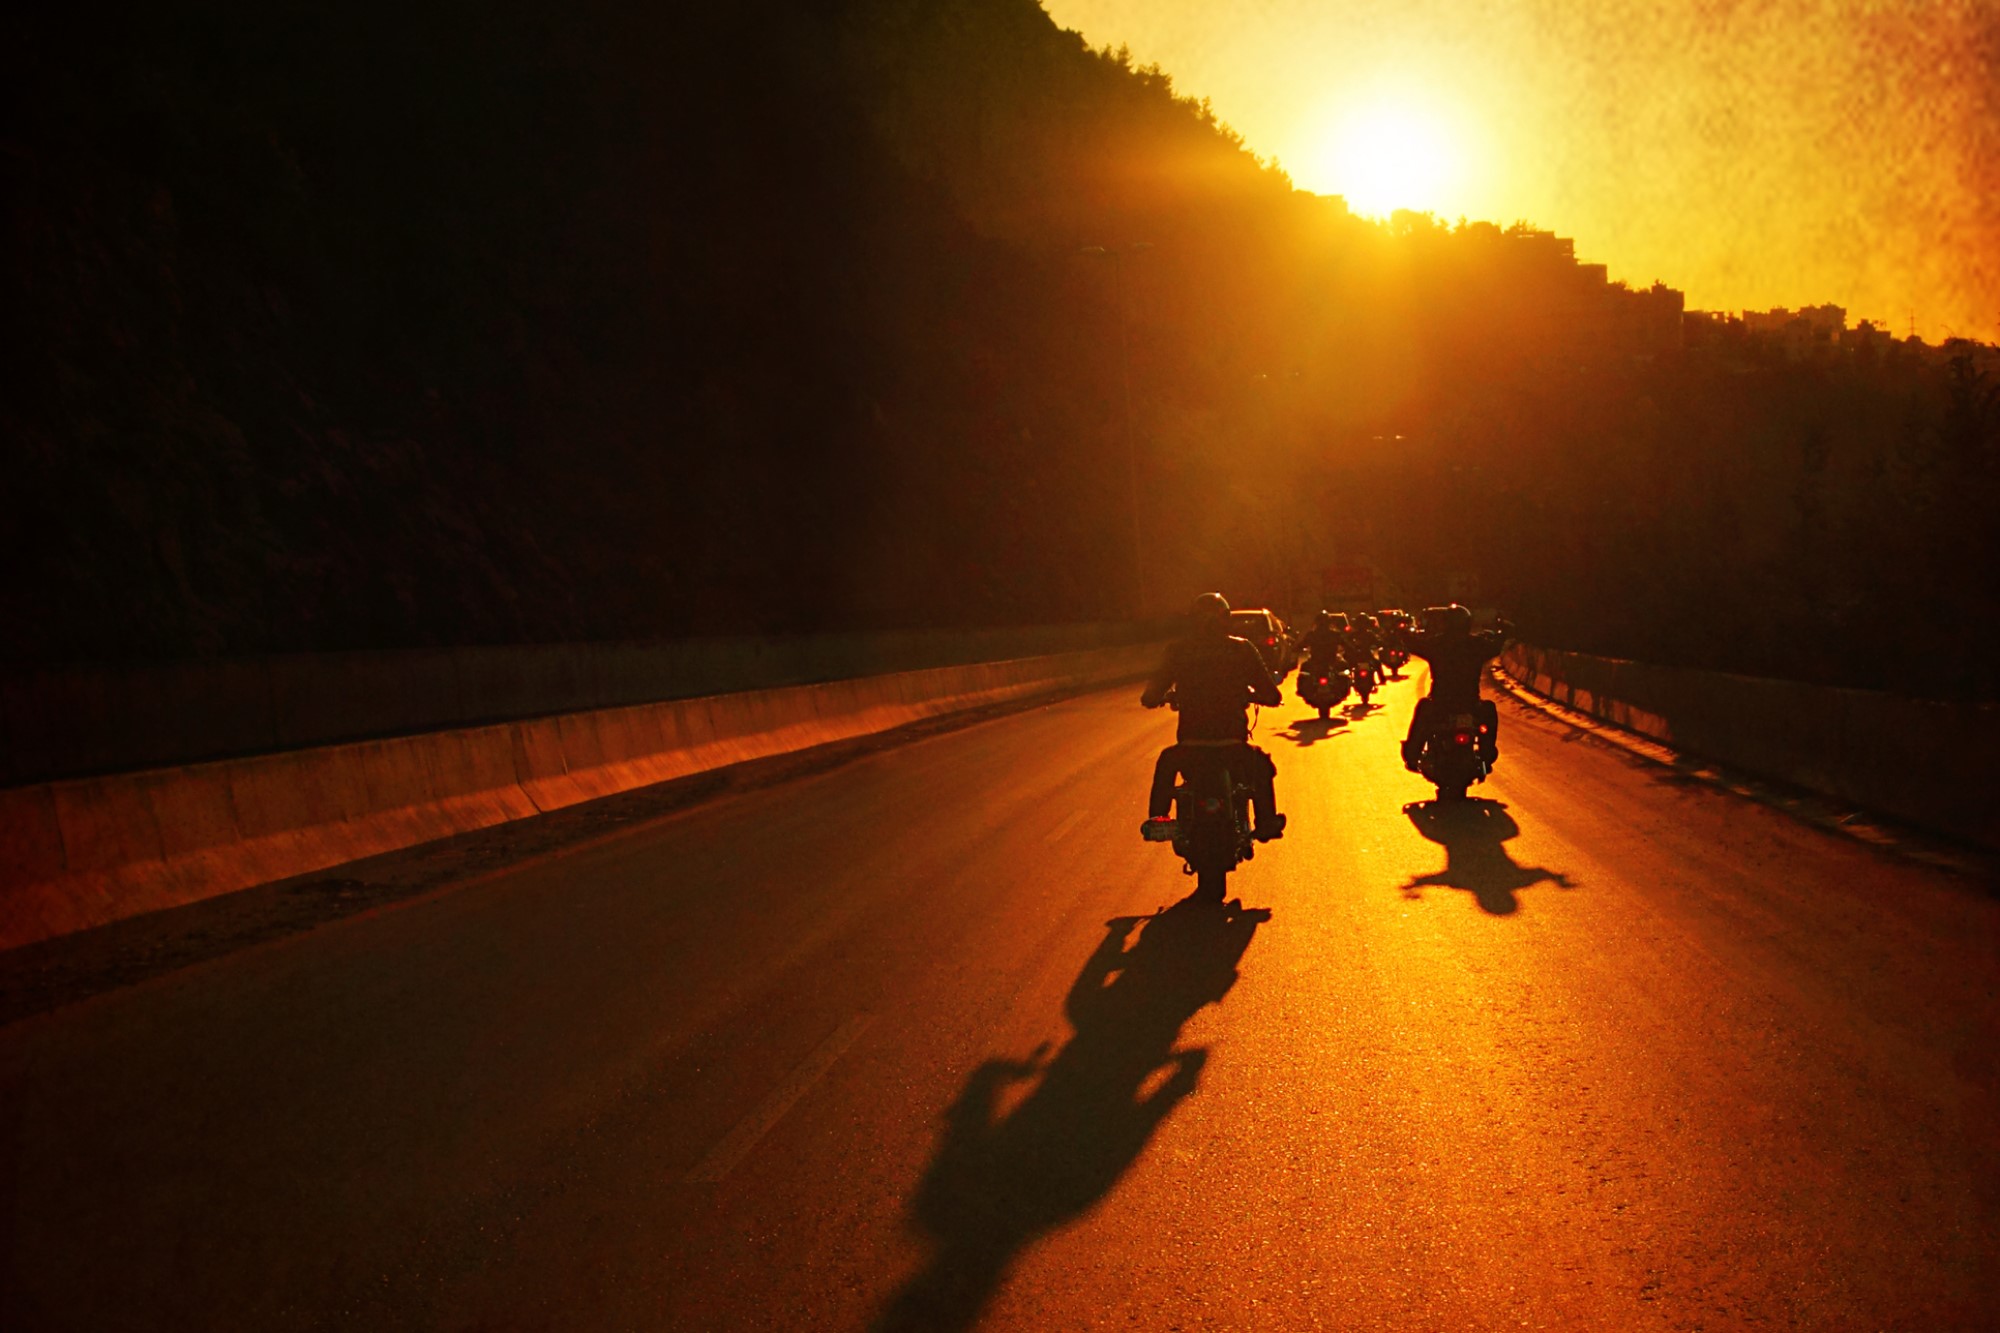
pixel 363 325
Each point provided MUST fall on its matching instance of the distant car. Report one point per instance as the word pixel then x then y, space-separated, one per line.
pixel 1266 633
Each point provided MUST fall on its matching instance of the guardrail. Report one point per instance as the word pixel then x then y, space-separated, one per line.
pixel 82 852
pixel 1928 763
pixel 83 720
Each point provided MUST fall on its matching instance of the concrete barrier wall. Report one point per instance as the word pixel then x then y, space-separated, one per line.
pixel 81 721
pixel 1930 764
pixel 84 852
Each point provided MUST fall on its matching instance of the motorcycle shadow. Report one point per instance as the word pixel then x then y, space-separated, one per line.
pixel 1474 834
pixel 1362 710
pixel 1312 730
pixel 1013 1166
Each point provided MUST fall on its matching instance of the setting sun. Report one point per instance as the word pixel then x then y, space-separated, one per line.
pixel 1753 156
pixel 1388 155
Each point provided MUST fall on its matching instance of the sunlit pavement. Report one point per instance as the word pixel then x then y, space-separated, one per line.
pixel 924 1042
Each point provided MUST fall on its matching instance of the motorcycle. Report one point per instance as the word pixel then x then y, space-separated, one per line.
pixel 1323 686
pixel 1395 659
pixel 1212 820
pixel 1450 758
pixel 1211 826
pixel 1366 680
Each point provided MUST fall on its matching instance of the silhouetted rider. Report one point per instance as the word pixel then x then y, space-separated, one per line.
pixel 1215 677
pixel 1364 641
pixel 1457 654
pixel 1324 644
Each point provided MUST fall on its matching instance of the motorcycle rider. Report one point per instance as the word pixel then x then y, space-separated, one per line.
pixel 1394 625
pixel 1364 642
pixel 1214 677
pixel 1323 645
pixel 1457 654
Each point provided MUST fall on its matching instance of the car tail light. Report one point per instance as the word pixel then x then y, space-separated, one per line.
pixel 1270 641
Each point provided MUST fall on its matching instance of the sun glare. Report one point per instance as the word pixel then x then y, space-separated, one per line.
pixel 1388 155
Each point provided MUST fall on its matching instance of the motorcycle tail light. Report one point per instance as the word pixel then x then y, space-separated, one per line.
pixel 1463 738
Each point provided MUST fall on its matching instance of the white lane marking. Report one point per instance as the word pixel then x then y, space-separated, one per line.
pixel 1075 818
pixel 736 1145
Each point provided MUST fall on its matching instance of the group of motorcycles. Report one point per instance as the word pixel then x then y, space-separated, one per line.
pixel 1326 685
pixel 1212 807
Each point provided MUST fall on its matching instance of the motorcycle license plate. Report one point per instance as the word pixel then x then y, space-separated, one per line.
pixel 1463 720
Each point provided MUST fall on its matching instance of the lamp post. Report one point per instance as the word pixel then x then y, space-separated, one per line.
pixel 1117 255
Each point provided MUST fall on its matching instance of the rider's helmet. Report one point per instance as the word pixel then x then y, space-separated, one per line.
pixel 1366 621
pixel 1324 620
pixel 1210 611
pixel 1453 619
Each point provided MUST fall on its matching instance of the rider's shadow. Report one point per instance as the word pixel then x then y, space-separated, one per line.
pixel 1312 730
pixel 1474 835
pixel 1001 1178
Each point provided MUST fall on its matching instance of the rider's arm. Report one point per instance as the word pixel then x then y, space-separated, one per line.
pixel 1263 689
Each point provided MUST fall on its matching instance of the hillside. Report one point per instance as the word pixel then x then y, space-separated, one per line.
pixel 384 326
pixel 350 325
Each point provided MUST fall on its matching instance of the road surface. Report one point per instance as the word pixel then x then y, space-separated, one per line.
pixel 924 1042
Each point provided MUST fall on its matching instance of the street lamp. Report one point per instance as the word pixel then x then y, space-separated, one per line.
pixel 1117 255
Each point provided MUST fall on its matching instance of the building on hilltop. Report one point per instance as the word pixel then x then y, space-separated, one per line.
pixel 1595 317
pixel 1544 246
pixel 1813 333
pixel 1652 320
pixel 1810 331
pixel 1866 339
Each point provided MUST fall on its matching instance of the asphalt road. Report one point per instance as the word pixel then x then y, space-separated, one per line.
pixel 925 1042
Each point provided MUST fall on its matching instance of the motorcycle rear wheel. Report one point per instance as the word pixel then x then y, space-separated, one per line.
pixel 1210 885
pixel 1452 791
pixel 1324 709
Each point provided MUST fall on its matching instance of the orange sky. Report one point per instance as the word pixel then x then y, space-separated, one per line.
pixel 1751 152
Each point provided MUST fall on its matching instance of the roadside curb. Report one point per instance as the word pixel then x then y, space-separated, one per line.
pixel 76 854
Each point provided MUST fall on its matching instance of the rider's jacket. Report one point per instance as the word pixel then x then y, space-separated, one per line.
pixel 1324 645
pixel 1215 678
pixel 1362 644
pixel 1455 661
